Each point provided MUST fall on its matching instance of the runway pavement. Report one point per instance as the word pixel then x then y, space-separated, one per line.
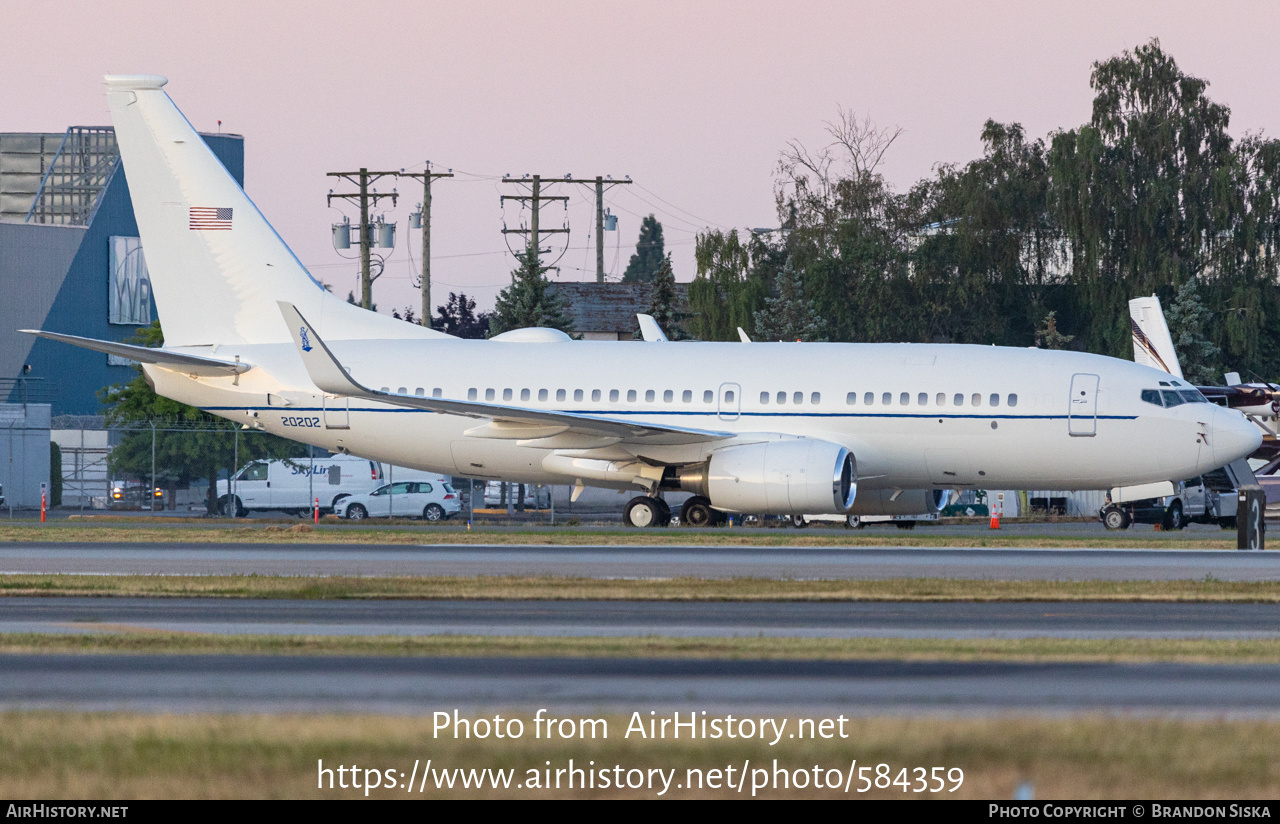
pixel 645 618
pixel 640 562
pixel 214 683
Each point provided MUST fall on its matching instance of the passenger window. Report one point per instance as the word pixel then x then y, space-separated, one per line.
pixel 561 395
pixel 386 389
pixel 631 396
pixel 613 396
pixel 404 390
pixel 437 392
pixel 923 399
pixel 524 394
pixel 729 396
pixel 782 398
pixel 886 398
pixel 851 399
pixel 595 395
pixel 904 398
pixel 958 400
pixel 668 396
pixel 815 398
pixel 994 400
pixel 977 399
pixel 472 394
pixel 649 396
pixel 506 394
pixel 1152 396
pixel 708 396
pixel 941 399
pixel 687 396
pixel 542 394
pixel 1013 400
pixel 797 398
pixel 764 398
pixel 489 394
pixel 420 392
pixel 869 399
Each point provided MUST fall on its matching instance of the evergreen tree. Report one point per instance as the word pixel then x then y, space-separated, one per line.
pixel 789 316
pixel 528 301
pixel 662 303
pixel 649 256
pixel 1048 336
pixel 1187 318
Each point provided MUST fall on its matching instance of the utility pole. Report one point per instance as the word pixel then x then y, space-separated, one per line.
pixel 535 198
pixel 600 183
pixel 362 180
pixel 426 176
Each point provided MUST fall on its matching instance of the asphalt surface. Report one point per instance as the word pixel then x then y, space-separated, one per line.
pixel 645 618
pixel 639 562
pixel 212 683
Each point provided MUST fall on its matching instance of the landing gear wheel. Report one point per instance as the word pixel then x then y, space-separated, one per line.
pixel 356 512
pixel 1173 519
pixel 853 522
pixel 697 511
pixel 433 513
pixel 798 521
pixel 643 512
pixel 1113 517
pixel 666 513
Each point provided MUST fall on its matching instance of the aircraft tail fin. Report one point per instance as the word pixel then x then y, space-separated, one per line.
pixel 217 267
pixel 1152 344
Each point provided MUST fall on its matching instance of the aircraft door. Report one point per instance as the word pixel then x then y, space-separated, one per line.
pixel 729 402
pixel 336 413
pixel 1082 407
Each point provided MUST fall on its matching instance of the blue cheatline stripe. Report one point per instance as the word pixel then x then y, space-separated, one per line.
pixel 293 410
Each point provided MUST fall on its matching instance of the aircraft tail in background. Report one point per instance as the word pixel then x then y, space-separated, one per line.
pixel 1152 343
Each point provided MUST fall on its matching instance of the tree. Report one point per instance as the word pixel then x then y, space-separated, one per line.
pixel 1048 336
pixel 408 316
pixel 528 301
pixel 649 255
pixel 207 445
pixel 726 292
pixel 789 316
pixel 1187 318
pixel 662 303
pixel 458 318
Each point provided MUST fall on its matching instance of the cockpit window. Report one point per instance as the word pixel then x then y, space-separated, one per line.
pixel 1192 396
pixel 1152 396
pixel 1171 398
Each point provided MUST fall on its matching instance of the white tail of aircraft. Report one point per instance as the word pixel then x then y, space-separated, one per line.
pixel 1152 343
pixel 218 268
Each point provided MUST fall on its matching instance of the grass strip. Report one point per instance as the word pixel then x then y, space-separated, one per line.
pixel 657 589
pixel 69 532
pixel 124 756
pixel 116 639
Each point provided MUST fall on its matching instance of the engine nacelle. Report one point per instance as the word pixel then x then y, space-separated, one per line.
pixel 789 477
pixel 907 502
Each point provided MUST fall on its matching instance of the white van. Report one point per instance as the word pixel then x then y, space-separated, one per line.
pixel 292 485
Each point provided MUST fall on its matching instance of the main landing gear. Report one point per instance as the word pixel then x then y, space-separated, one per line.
pixel 644 511
pixel 697 511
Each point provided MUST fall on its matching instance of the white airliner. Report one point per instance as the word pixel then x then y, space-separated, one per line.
pixel 784 428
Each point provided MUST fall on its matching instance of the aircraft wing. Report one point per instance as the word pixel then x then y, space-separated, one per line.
pixel 507 422
pixel 179 362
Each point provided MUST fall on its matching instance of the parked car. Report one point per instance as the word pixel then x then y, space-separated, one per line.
pixel 431 500
pixel 134 495
pixel 534 497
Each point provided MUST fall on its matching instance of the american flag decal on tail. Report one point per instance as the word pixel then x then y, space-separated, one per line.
pixel 209 217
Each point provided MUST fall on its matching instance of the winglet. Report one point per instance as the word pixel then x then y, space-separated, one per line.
pixel 649 329
pixel 324 369
pixel 743 336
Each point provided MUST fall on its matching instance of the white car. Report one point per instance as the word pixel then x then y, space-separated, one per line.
pixel 431 500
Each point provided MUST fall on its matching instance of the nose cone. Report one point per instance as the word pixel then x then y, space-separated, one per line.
pixel 1232 436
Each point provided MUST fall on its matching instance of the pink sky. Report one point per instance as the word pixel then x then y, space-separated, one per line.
pixel 694 100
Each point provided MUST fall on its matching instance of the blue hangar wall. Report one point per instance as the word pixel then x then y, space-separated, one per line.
pixel 56 278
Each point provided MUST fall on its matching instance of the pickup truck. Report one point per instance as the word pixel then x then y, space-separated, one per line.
pixel 1206 499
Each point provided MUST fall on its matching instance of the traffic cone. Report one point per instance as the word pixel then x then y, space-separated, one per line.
pixel 995 519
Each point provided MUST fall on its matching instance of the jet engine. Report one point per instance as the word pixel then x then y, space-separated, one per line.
pixel 787 477
pixel 901 502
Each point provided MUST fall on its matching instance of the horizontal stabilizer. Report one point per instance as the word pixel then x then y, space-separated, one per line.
pixel 177 361
pixel 330 376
